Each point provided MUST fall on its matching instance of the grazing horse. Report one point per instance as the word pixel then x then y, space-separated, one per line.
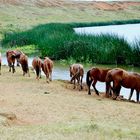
pixel 77 73
pixel 0 63
pixel 47 67
pixel 94 75
pixel 37 64
pixel 120 77
pixel 23 60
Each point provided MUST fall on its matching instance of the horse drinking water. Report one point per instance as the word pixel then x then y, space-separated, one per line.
pixel 120 77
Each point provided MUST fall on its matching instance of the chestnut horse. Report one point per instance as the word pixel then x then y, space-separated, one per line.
pixel 94 75
pixel 47 67
pixel 0 63
pixel 120 77
pixel 13 55
pixel 77 73
pixel 37 64
pixel 23 60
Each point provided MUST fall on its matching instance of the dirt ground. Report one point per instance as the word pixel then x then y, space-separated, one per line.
pixel 24 100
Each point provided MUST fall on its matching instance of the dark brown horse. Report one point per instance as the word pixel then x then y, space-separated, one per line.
pixel 0 63
pixel 120 77
pixel 77 73
pixel 94 75
pixel 47 67
pixel 37 64
pixel 23 60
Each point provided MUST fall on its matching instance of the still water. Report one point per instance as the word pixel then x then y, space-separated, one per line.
pixel 61 71
pixel 129 32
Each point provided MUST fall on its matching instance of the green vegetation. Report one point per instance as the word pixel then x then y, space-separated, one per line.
pixel 59 41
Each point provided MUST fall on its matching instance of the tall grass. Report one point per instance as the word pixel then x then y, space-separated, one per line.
pixel 59 41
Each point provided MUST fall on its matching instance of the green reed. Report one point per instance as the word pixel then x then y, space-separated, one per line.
pixel 59 41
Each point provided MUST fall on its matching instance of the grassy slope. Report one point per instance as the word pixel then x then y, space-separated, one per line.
pixel 23 17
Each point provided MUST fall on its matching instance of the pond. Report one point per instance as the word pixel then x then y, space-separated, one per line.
pixel 61 71
pixel 129 32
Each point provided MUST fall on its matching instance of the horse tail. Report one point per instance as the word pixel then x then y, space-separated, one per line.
pixel 76 74
pixel 37 68
pixel 88 79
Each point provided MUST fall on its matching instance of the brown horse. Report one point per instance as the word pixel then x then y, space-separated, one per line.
pixel 120 77
pixel 0 63
pixel 77 73
pixel 94 75
pixel 47 67
pixel 132 90
pixel 23 60
pixel 13 55
pixel 37 64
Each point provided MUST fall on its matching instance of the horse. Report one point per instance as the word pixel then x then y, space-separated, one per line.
pixel 120 77
pixel 94 75
pixel 23 60
pixel 132 90
pixel 77 73
pixel 11 56
pixel 47 67
pixel 37 64
pixel 17 54
pixel 0 63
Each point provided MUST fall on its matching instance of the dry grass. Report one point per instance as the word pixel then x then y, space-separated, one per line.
pixel 62 113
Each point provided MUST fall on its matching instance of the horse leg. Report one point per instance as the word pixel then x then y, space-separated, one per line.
pixel 18 63
pixel 81 82
pixel 116 89
pixel 131 93
pixel 13 68
pixel 137 96
pixel 94 83
pixel 108 86
pixel 51 76
pixel 74 83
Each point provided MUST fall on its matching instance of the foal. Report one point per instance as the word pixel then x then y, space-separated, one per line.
pixel 77 73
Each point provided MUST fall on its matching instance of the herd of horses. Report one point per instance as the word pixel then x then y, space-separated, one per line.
pixel 113 78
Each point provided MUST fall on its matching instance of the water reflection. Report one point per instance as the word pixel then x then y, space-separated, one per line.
pixel 61 71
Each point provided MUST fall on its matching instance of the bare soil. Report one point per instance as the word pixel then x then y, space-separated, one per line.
pixel 26 101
